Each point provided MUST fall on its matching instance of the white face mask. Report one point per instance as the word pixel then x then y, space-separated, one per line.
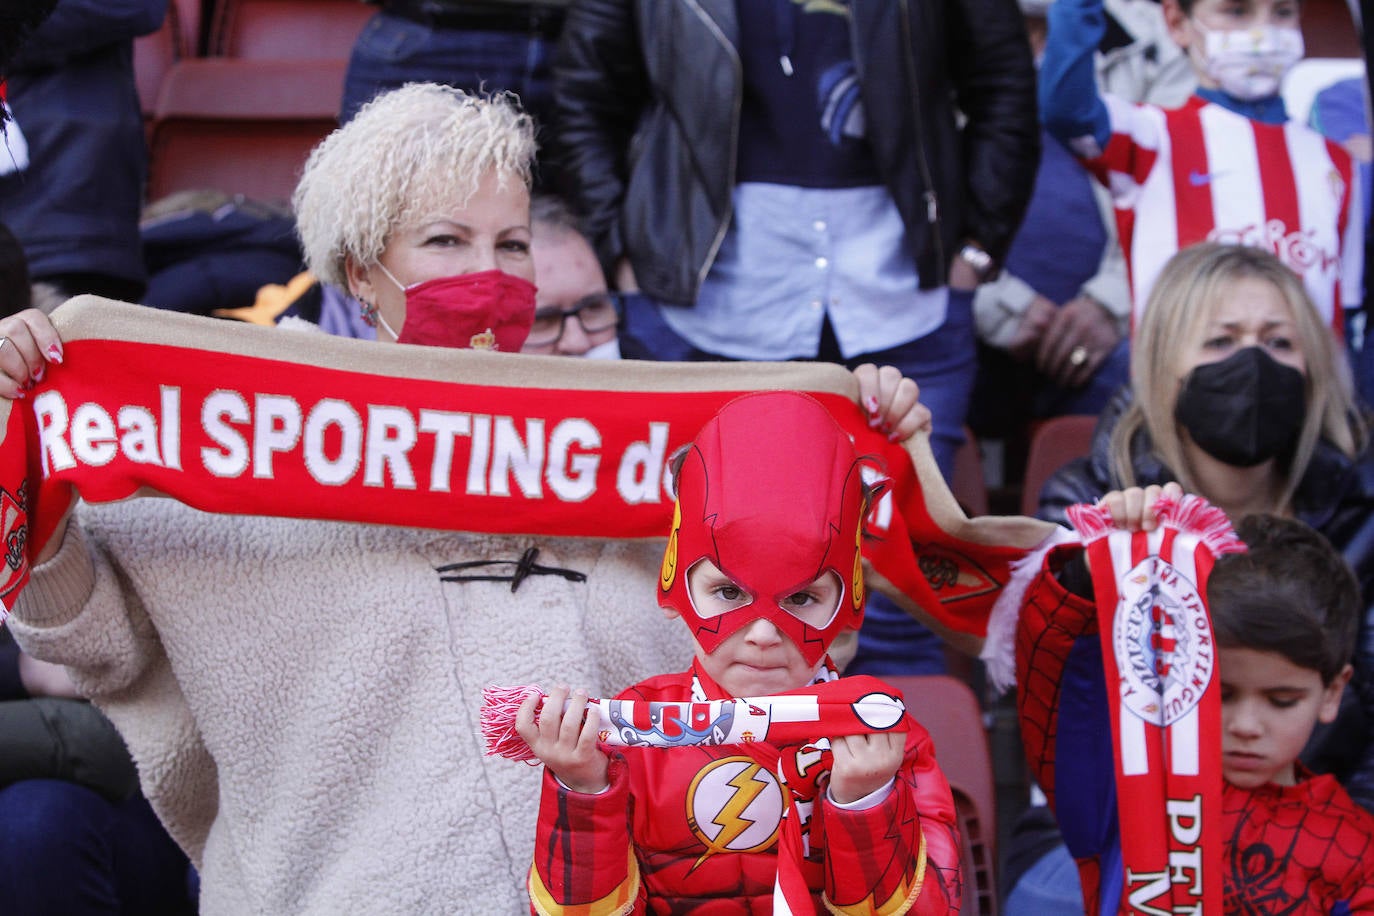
pixel 609 350
pixel 1249 64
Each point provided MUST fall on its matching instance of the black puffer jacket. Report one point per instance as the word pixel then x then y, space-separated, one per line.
pixel 649 95
pixel 1336 497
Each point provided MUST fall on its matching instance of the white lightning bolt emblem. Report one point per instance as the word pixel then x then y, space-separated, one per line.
pixel 748 784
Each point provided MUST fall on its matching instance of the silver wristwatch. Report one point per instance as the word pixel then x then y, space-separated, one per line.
pixel 979 260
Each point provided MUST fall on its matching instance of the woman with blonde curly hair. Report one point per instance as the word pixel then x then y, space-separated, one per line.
pixel 301 696
pixel 420 208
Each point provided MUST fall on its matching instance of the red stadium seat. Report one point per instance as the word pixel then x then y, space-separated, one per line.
pixel 190 17
pixel 154 55
pixel 949 710
pixel 241 127
pixel 1054 444
pixel 288 29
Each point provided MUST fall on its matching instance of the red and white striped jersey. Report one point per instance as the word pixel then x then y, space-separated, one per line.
pixel 1204 173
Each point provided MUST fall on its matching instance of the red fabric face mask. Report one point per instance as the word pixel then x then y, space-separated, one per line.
pixel 488 310
pixel 771 493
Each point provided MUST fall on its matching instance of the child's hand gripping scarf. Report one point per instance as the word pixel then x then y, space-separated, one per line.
pixel 761 727
pixel 1149 840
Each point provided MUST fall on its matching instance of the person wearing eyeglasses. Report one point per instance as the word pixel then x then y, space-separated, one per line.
pixel 575 313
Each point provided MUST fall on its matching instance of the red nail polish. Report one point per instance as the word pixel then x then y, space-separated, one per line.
pixel 55 353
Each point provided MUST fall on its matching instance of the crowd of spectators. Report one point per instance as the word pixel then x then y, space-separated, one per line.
pixel 827 180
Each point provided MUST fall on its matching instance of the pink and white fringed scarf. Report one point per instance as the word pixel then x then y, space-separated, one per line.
pixel 1160 662
pixel 846 706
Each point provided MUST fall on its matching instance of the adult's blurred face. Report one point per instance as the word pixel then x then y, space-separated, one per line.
pixel 491 232
pixel 572 296
pixel 1242 397
pixel 1250 312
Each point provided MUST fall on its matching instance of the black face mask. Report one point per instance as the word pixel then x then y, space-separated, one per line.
pixel 1244 410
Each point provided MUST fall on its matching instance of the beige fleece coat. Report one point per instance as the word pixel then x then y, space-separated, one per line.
pixel 302 697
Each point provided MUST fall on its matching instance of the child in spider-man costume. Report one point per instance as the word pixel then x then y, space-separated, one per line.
pixel 1284 616
pixel 763 565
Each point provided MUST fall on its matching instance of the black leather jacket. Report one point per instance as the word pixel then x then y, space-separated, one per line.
pixel 1336 497
pixel 649 94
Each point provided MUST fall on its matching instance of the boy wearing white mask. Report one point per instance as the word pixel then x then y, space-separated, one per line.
pixel 1227 166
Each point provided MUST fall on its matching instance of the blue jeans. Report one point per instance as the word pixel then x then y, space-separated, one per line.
pixel 1050 886
pixel 392 51
pixel 66 849
pixel 944 363
pixel 1362 360
pixel 1115 371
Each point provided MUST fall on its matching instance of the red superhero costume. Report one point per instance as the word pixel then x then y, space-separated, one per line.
pixel 704 825
pixel 1298 850
pixel 770 493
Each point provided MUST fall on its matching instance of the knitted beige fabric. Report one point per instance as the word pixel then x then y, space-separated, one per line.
pixel 302 697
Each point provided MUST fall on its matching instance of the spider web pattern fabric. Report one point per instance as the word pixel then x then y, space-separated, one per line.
pixel 1297 850
pixel 1055 627
pixel 1052 620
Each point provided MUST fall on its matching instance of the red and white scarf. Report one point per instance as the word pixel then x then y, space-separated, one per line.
pixel 227 417
pixel 848 706
pixel 1160 662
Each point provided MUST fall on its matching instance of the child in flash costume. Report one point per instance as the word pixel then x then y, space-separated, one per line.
pixel 770 493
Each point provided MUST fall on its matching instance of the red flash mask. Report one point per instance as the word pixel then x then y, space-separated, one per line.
pixel 771 493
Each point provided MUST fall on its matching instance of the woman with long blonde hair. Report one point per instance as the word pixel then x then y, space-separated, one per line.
pixel 1240 393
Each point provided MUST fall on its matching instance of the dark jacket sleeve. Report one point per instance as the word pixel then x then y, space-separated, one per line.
pixel 1360 553
pixel 1337 498
pixel 11 687
pixel 52 738
pixel 1079 481
pixel 77 27
pixel 600 90
pixel 994 82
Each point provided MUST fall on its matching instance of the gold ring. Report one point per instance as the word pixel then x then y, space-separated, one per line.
pixel 1078 355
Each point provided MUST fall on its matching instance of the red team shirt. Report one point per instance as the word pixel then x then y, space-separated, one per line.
pixel 1204 173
